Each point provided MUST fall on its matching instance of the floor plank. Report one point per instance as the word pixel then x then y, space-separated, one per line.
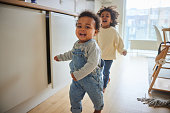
pixel 129 81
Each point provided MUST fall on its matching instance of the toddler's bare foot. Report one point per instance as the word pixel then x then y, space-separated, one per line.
pixel 97 111
pixel 104 90
pixel 109 80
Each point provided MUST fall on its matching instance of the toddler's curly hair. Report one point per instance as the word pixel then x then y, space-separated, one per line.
pixel 91 15
pixel 114 14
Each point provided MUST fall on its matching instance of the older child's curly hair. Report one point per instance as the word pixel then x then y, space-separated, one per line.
pixel 91 15
pixel 114 14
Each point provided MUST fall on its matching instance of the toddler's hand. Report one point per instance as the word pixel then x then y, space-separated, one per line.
pixel 73 77
pixel 56 58
pixel 124 52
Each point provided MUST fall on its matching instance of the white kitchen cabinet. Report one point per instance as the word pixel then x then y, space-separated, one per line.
pixel 64 5
pixel 23 64
pixel 62 36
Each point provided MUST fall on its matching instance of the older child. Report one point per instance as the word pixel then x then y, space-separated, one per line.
pixel 86 64
pixel 109 40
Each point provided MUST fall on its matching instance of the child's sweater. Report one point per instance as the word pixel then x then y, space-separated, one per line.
pixel 109 41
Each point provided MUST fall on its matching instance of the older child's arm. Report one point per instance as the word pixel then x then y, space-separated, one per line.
pixel 124 52
pixel 120 46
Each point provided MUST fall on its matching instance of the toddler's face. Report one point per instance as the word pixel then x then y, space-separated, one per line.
pixel 85 29
pixel 105 19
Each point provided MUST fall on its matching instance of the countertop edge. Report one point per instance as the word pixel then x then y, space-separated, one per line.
pixel 36 6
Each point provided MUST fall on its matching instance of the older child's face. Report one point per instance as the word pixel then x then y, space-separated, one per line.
pixel 106 19
pixel 85 29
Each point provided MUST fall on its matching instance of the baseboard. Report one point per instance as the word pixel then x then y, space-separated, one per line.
pixel 34 101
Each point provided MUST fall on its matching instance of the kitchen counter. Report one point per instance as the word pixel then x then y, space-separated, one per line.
pixel 36 6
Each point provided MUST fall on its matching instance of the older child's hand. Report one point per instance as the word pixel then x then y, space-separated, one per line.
pixel 56 58
pixel 124 52
pixel 73 77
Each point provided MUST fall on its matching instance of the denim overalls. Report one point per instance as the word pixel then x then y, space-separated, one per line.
pixel 92 83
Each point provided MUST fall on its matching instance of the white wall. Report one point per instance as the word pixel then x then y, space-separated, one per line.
pixel 97 5
pixel 82 5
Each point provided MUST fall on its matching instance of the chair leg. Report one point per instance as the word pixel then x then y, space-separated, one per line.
pixel 154 66
pixel 155 75
pixel 154 71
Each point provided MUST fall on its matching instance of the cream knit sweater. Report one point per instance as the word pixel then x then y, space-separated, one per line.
pixel 109 41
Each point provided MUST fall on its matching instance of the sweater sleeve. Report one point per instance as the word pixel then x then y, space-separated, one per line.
pixel 65 56
pixel 92 62
pixel 119 44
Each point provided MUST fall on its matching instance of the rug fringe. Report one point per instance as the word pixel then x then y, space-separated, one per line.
pixel 153 102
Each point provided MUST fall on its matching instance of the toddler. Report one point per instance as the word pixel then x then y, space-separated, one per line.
pixel 86 64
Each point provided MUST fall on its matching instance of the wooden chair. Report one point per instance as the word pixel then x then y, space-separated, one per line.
pixel 158 38
pixel 159 83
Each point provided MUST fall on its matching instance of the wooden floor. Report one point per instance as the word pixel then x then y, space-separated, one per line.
pixel 129 81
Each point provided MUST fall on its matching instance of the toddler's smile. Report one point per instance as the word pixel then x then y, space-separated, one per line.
pixel 82 34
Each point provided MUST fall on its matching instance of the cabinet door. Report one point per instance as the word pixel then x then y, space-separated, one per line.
pixel 65 5
pixel 62 39
pixel 23 70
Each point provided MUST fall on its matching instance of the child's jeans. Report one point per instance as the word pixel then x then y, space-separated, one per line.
pixel 92 84
pixel 106 72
